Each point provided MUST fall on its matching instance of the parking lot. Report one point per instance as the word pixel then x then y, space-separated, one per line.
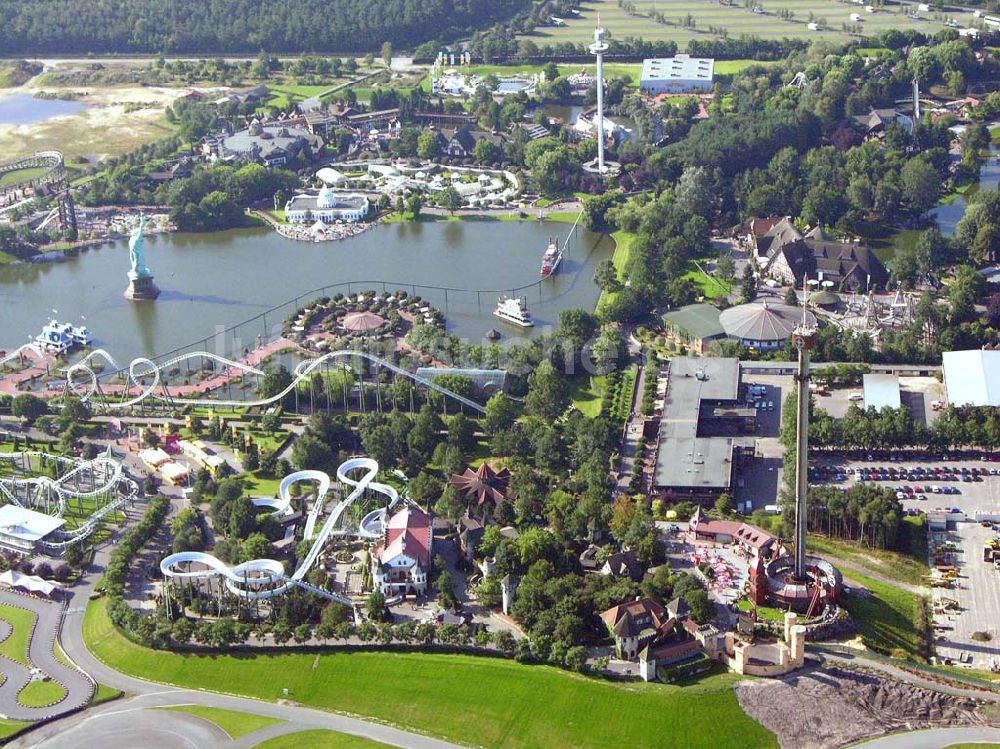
pixel 759 481
pixel 963 485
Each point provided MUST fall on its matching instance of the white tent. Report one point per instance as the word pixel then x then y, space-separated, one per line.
pixel 30 583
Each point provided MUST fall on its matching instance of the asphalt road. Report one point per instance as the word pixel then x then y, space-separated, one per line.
pixel 78 687
pixel 936 738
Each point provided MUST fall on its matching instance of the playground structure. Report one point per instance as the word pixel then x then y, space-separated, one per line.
pixel 264 579
pixel 85 493
pixel 82 381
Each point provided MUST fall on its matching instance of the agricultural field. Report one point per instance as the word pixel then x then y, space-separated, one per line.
pixel 431 694
pixel 709 16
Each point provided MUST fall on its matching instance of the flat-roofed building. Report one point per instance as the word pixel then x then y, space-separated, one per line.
pixel 881 390
pixel 699 439
pixel 22 529
pixel 677 75
pixel 972 378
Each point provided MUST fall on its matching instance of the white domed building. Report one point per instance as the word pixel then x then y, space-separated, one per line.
pixel 763 326
pixel 326 206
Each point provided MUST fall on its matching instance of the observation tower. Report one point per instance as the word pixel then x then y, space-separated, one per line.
pixel 599 165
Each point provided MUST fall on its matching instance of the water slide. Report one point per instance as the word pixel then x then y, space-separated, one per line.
pixel 260 579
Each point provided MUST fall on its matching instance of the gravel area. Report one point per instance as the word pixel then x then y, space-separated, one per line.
pixel 833 707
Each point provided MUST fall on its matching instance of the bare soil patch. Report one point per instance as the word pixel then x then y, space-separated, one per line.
pixel 832 707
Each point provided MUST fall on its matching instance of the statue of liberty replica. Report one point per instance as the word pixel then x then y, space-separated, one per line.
pixel 140 278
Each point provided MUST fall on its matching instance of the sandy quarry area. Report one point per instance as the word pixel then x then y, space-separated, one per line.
pixel 103 129
pixel 825 708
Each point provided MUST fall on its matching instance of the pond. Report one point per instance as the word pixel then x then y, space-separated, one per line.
pixel 25 109
pixel 948 215
pixel 210 282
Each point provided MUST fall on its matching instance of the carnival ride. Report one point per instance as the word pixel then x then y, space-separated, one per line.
pixel 263 579
pixel 82 381
pixel 86 493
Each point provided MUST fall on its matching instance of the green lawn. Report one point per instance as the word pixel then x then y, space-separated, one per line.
pixel 104 694
pixel 732 67
pixel 21 175
pixel 319 739
pixel 41 694
pixel 708 286
pixel 887 619
pixel 586 391
pixel 234 722
pixel 15 647
pixel 10 727
pixel 623 251
pixel 470 700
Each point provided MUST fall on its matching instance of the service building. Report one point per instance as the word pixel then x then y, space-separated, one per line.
pixel 677 75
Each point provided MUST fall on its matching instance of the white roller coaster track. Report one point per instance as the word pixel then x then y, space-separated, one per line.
pixel 143 367
pixel 261 579
pixel 16 353
pixel 115 487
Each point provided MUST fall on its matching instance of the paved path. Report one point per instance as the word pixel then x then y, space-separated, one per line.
pixel 936 738
pixel 908 677
pixel 78 687
pixel 633 430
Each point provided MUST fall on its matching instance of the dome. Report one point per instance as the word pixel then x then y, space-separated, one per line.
pixel 762 322
pixel 824 298
pixel 326 199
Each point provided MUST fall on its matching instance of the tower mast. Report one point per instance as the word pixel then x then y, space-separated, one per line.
pixel 598 48
pixel 803 338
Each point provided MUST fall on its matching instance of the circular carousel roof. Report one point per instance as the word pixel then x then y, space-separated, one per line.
pixel 763 322
pixel 363 322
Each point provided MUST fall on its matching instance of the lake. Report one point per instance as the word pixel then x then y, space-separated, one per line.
pixel 212 281
pixel 24 109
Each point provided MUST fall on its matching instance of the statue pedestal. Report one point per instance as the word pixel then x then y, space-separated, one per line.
pixel 141 288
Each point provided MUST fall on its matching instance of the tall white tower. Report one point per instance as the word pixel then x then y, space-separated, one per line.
pixel 802 337
pixel 598 48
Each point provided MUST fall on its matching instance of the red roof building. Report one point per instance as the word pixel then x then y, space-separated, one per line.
pixel 485 484
pixel 401 563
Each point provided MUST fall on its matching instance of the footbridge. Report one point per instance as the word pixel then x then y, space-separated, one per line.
pixel 263 579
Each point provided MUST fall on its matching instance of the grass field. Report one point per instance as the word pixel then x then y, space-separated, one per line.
pixel 41 693
pixel 469 700
pixel 709 17
pixel 318 739
pixel 15 646
pixel 234 722
pixel 887 619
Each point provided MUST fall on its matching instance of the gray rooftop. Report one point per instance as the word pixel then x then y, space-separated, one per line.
pixel 678 69
pixel 683 459
pixel 881 390
pixel 697 320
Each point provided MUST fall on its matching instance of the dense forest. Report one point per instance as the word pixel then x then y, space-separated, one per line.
pixel 237 26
